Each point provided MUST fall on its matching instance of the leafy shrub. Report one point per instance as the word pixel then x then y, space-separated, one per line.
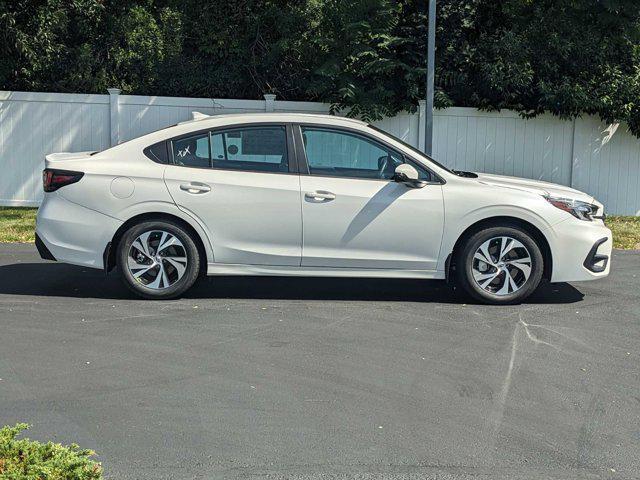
pixel 30 460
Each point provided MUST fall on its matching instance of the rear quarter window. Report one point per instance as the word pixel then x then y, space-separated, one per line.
pixel 158 152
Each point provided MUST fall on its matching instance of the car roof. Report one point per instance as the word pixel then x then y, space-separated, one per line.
pixel 270 116
pixel 205 122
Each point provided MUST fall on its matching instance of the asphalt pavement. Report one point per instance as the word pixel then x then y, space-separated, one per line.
pixel 277 378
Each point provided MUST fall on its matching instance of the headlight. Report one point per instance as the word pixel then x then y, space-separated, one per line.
pixel 581 210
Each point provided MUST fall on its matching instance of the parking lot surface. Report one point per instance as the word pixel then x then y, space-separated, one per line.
pixel 324 378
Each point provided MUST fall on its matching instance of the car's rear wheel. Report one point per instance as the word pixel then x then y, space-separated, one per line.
pixel 158 259
pixel 500 265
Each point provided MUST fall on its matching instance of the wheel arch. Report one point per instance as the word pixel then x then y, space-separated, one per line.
pixel 112 247
pixel 504 221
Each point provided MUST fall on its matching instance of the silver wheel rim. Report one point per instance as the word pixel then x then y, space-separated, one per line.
pixel 501 266
pixel 157 259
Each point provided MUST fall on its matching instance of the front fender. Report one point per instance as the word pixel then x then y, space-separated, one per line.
pixel 456 226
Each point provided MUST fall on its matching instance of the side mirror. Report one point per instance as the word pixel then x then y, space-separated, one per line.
pixel 408 175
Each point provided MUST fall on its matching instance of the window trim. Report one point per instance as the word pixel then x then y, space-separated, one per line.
pixel 291 157
pixel 302 153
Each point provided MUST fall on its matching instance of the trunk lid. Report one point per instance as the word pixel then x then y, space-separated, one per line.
pixel 57 160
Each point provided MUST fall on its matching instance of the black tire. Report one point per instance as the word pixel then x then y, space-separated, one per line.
pixel 464 261
pixel 183 283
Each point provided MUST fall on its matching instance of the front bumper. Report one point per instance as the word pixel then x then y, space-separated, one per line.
pixel 580 250
pixel 596 262
pixel 70 233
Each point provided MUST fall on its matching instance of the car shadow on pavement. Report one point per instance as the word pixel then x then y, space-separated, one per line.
pixel 62 280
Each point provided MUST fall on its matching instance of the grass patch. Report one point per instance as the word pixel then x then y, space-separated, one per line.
pixel 626 232
pixel 18 225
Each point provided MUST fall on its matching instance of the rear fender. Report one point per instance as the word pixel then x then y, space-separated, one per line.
pixel 151 207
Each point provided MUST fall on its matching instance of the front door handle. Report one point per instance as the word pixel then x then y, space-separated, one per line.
pixel 195 187
pixel 320 196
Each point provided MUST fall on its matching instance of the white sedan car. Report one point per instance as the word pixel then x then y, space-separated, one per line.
pixel 309 195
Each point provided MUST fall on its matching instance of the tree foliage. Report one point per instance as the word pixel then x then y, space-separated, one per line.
pixel 564 56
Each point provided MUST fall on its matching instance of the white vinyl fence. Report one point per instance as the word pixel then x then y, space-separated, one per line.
pixel 603 160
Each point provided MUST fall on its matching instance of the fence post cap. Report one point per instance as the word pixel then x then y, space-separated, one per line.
pixel 113 91
pixel 422 103
pixel 269 97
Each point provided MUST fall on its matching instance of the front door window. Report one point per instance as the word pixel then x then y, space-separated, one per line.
pixel 334 153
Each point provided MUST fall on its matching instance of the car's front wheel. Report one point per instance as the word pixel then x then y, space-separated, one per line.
pixel 500 265
pixel 158 259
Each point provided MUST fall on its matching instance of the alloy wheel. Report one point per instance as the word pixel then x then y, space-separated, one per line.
pixel 157 259
pixel 501 265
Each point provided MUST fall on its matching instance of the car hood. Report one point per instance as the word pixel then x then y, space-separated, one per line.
pixel 534 186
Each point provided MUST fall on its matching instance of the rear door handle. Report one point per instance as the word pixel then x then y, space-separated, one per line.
pixel 195 187
pixel 320 196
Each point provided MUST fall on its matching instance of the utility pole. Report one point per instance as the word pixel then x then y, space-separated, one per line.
pixel 431 66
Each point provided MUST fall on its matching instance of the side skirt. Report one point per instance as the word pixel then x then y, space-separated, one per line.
pixel 225 269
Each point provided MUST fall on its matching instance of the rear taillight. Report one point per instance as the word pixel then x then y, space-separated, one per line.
pixel 52 179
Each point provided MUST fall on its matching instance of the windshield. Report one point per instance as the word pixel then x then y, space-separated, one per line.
pixel 421 155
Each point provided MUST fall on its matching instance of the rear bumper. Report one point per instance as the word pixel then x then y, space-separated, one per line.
pixel 44 252
pixel 581 251
pixel 70 233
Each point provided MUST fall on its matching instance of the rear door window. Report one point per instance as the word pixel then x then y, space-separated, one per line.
pixel 262 149
pixel 192 151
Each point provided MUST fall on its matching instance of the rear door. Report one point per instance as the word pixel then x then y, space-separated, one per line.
pixel 355 215
pixel 242 183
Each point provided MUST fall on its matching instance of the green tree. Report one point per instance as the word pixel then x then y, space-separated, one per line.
pixel 563 56
pixel 567 57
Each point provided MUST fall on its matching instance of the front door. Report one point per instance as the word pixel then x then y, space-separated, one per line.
pixel 237 181
pixel 356 216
